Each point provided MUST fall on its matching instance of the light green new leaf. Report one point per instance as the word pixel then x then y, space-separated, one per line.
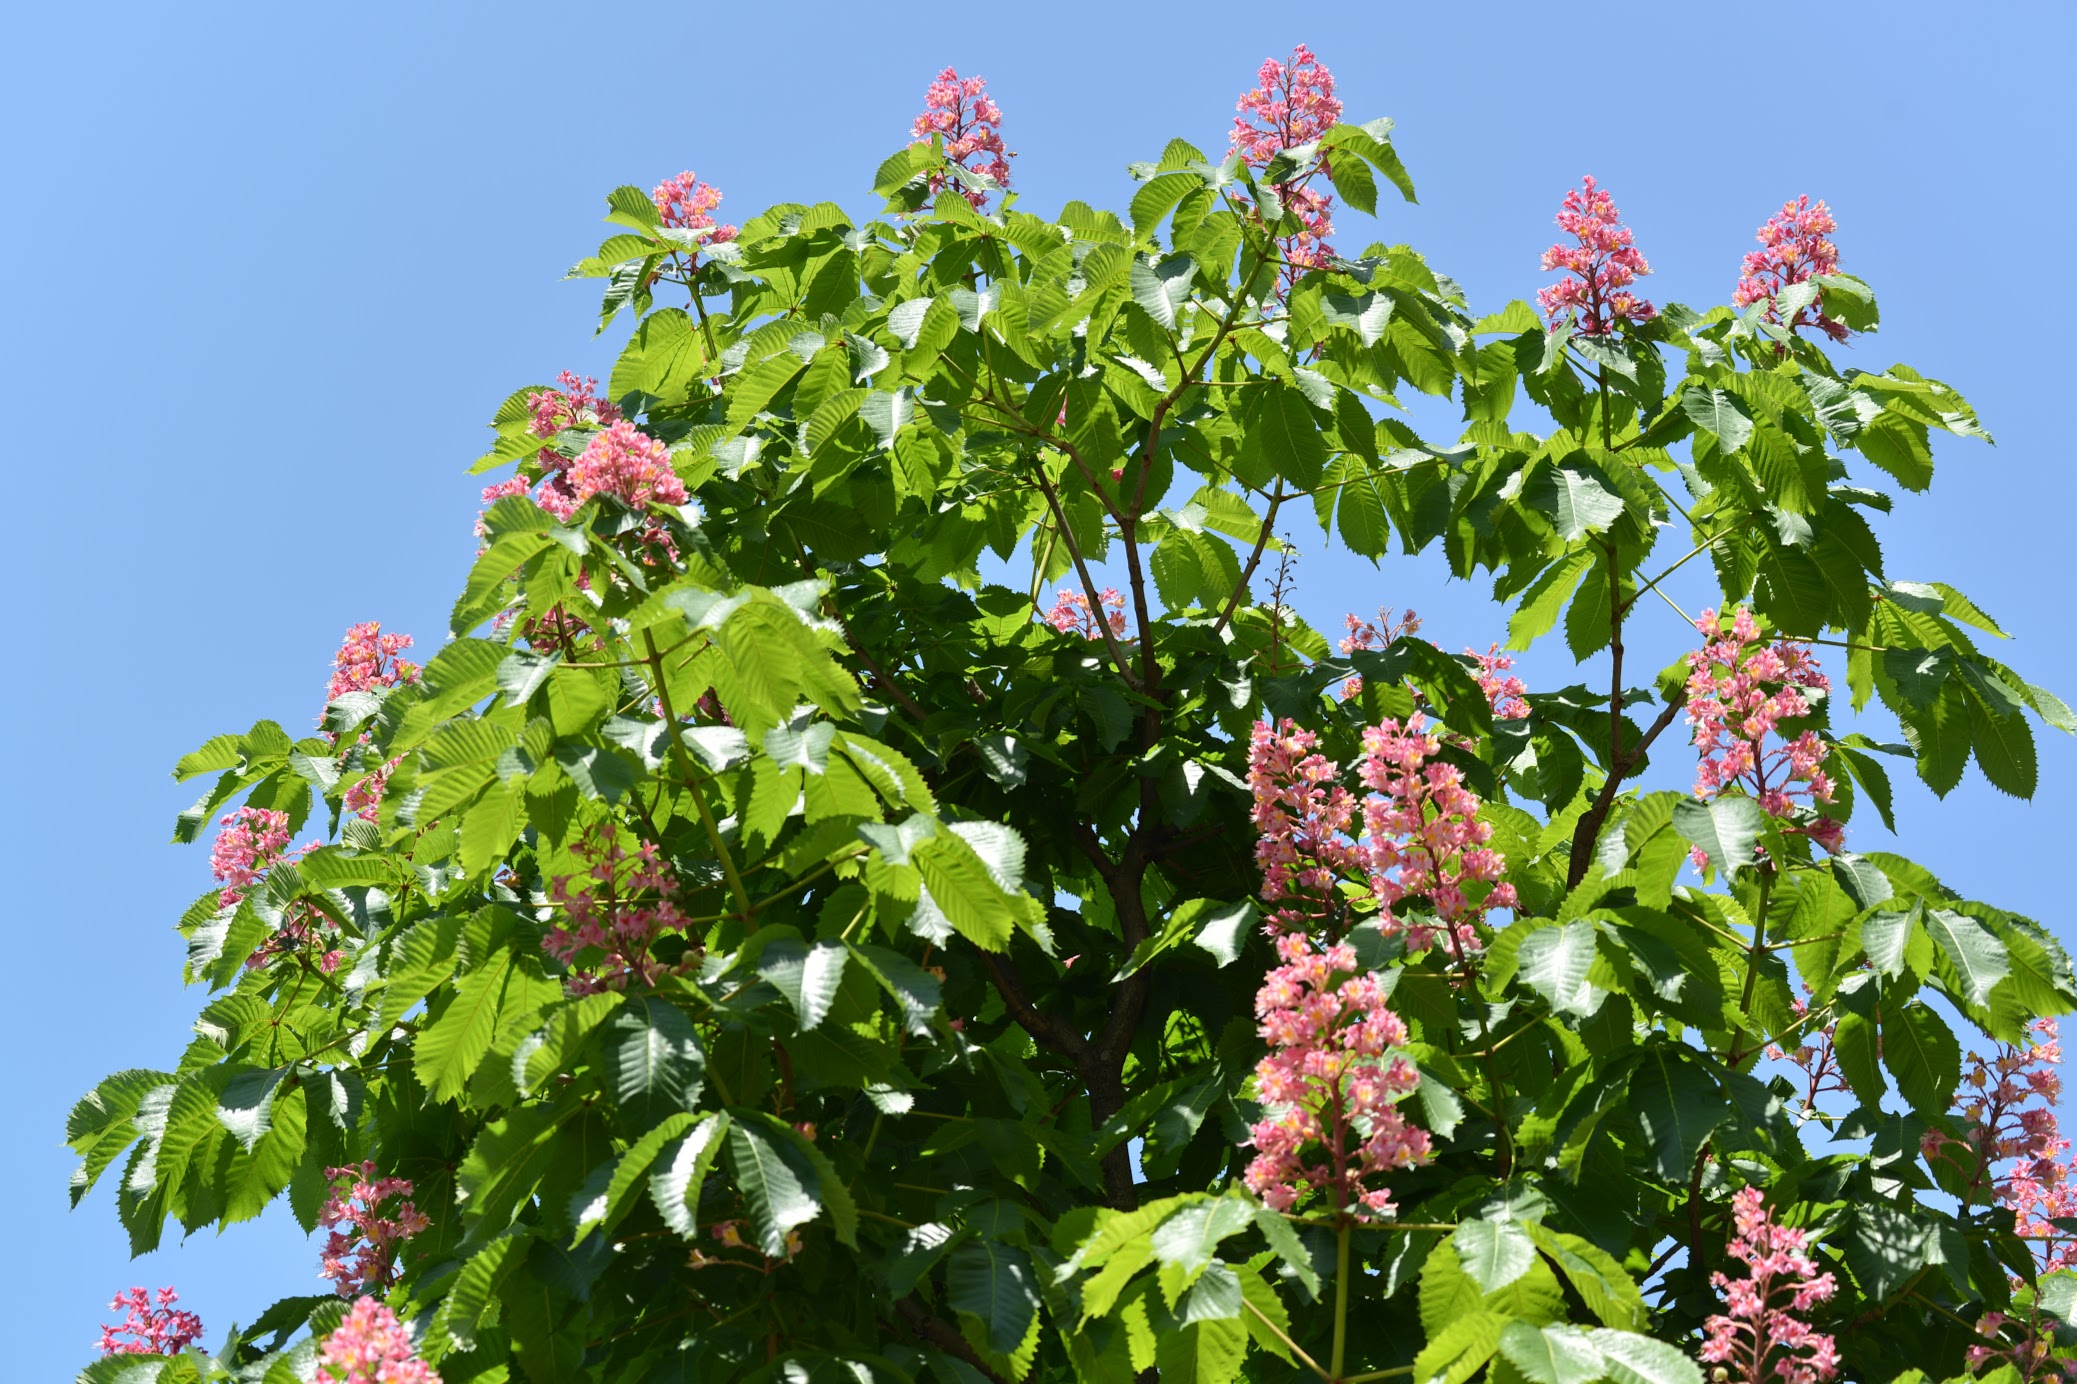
pixel 1494 1253
pixel 1630 1358
pixel 1556 1354
pixel 1460 1349
pixel 1190 1238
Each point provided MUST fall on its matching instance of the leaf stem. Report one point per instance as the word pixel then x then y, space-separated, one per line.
pixel 1283 1336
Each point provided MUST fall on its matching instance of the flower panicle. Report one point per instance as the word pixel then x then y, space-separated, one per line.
pixel 1600 261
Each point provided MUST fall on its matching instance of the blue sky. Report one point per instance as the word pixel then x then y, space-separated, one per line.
pixel 271 270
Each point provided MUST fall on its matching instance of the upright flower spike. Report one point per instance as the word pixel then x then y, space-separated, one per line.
pixel 369 659
pixel 1794 246
pixel 961 112
pixel 687 204
pixel 365 1233
pixel 576 404
pixel 1600 263
pixel 370 1346
pixel 1414 843
pixel 621 461
pixel 1504 691
pixel 1370 635
pixel 1330 1085
pixel 1740 688
pixel 248 843
pixel 1764 1337
pixel 613 916
pixel 148 1329
pixel 1292 104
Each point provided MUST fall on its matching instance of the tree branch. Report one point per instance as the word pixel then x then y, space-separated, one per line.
pixel 942 1334
pixel 1589 829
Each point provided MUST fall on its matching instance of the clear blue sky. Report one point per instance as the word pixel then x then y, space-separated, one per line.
pixel 269 271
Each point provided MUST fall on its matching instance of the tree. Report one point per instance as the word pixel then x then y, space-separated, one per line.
pixel 766 944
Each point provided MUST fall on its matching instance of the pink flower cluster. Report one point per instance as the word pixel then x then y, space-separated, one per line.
pixel 152 1330
pixel 1764 1337
pixel 361 1246
pixel 1366 635
pixel 370 1346
pixel 1292 104
pixel 577 402
pixel 688 204
pixel 1601 263
pixel 368 659
pixel 960 110
pixel 1793 247
pixel 1504 692
pixel 1072 614
pixel 1330 1084
pixel 1817 1059
pixel 248 843
pixel 1415 837
pixel 2014 1144
pixel 620 461
pixel 611 921
pixel 1740 687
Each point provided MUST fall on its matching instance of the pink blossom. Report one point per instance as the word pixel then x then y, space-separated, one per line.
pixel 613 915
pixel 2013 1145
pixel 1329 1085
pixel 1793 248
pixel 960 111
pixel 1366 635
pixel 620 461
pixel 1740 688
pixel 1764 1337
pixel 576 404
pixel 1817 1058
pixel 248 843
pixel 1414 843
pixel 1503 694
pixel 153 1330
pixel 1601 263
pixel 687 203
pixel 363 1239
pixel 516 485
pixel 370 1346
pixel 1292 104
pixel 368 659
pixel 1071 613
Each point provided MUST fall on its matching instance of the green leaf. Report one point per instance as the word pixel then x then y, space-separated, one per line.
pixel 1578 503
pixel 1921 1053
pixel 1494 1253
pixel 1719 414
pixel 1460 1349
pixel 1190 1238
pixel 476 1286
pixel 1999 733
pixel 654 1056
pixel 904 167
pixel 1979 959
pixel 773 1188
pixel 1629 1358
pixel 807 976
pixel 1602 1283
pixel 1678 1106
pixel 1556 1354
pixel 994 1282
pixel 1546 598
pixel 1554 962
pixel 1281 438
pixel 1205 1352
pixel 1726 828
pixel 601 1209
pixel 675 1187
pixel 963 890
pixel 1162 288
pixel 1289 1248
pixel 494 991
